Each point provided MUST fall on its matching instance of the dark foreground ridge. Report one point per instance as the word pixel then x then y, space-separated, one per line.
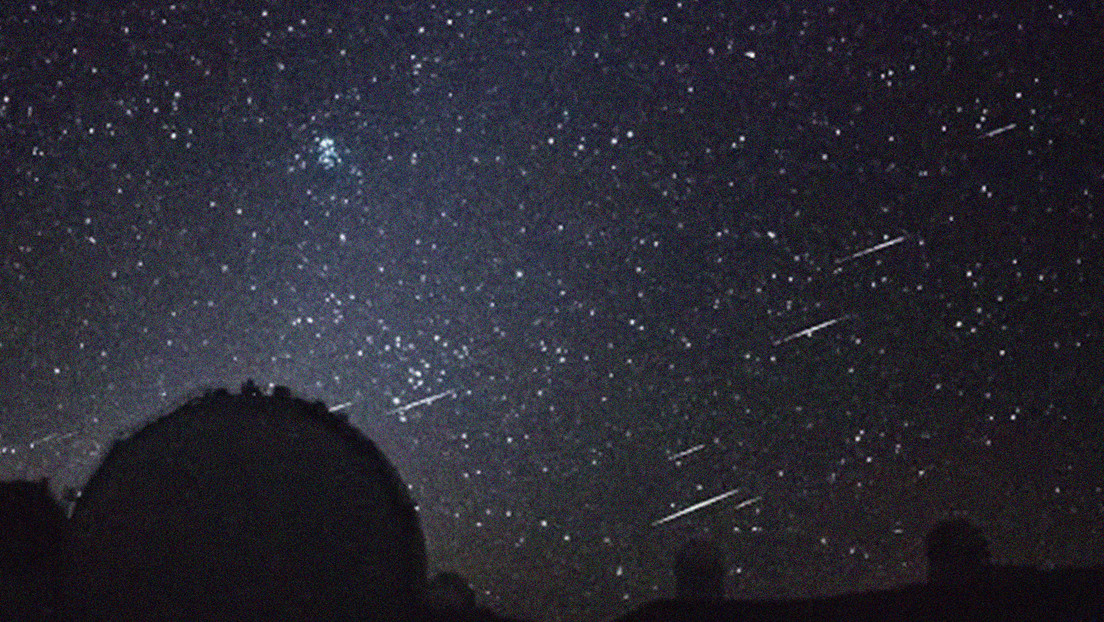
pixel 257 506
pixel 962 586
pixel 1021 596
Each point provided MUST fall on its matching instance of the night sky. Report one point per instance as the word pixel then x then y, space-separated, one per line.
pixel 841 261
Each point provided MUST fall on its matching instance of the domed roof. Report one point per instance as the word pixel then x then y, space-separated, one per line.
pixel 266 506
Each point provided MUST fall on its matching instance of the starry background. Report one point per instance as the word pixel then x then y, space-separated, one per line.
pixel 595 235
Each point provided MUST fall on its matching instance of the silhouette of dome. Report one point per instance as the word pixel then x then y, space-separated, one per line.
pixel 268 507
pixel 32 535
pixel 700 570
pixel 958 553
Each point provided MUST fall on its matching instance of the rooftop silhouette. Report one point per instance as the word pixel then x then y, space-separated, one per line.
pixel 265 506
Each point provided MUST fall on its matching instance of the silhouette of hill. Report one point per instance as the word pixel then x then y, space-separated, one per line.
pixel 264 506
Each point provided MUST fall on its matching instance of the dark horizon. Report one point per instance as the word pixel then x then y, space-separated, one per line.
pixel 273 506
pixel 576 269
pixel 308 494
pixel 845 598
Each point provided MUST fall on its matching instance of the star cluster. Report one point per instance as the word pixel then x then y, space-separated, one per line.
pixel 576 267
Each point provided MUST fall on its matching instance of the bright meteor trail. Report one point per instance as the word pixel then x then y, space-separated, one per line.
pixel 999 130
pixel 706 503
pixel 423 401
pixel 872 249
pixel 808 332
pixel 687 452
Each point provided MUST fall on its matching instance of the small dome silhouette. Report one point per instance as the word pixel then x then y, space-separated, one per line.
pixel 958 553
pixel 700 570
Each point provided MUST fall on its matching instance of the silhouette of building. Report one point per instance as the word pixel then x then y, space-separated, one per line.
pixel 700 571
pixel 958 553
pixel 33 531
pixel 255 506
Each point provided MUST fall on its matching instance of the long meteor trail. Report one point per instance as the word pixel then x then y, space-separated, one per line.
pixel 707 503
pixel 872 249
pixel 808 332
pixel 422 402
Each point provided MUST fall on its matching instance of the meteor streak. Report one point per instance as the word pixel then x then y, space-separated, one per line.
pixel 999 130
pixel 872 249
pixel 422 402
pixel 50 437
pixel 808 332
pixel 683 454
pixel 341 406
pixel 707 503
